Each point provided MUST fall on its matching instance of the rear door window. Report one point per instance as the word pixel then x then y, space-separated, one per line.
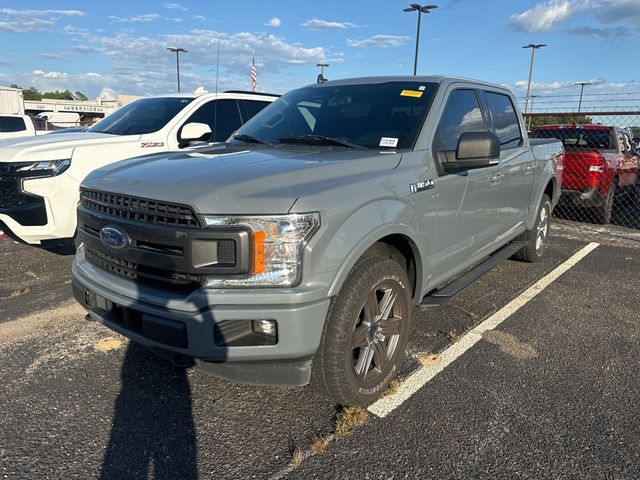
pixel 505 120
pixel 12 124
pixel 250 107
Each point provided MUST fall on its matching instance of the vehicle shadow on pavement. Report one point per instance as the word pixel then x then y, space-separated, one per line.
pixel 153 433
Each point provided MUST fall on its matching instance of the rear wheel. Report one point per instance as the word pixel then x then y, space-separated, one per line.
pixel 536 238
pixel 603 212
pixel 366 332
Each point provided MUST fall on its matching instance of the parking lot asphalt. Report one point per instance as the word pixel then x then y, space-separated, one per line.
pixel 552 392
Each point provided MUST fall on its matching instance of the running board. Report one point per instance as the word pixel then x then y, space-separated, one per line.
pixel 441 296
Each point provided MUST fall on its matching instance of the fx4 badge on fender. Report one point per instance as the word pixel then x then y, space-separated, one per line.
pixel 420 186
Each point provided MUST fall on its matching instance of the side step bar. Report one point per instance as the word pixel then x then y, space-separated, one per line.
pixel 440 297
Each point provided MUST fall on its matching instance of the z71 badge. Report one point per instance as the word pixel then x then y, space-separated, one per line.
pixel 420 186
pixel 151 144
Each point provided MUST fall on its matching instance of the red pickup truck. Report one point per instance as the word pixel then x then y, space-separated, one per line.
pixel 600 165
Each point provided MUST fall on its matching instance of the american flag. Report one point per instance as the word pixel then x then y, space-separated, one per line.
pixel 254 77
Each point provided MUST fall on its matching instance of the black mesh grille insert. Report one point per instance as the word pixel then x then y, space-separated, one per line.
pixel 151 276
pixel 10 196
pixel 138 209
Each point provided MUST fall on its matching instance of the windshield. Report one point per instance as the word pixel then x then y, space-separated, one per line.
pixel 579 138
pixel 146 115
pixel 376 115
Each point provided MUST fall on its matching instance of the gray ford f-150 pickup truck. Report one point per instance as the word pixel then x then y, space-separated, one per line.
pixel 296 251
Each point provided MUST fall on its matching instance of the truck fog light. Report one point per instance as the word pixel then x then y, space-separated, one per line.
pixel 264 327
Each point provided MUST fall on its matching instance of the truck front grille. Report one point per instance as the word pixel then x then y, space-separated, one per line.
pixel 139 209
pixel 151 276
pixel 10 195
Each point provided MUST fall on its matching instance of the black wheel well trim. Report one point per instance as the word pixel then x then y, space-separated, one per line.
pixel 407 248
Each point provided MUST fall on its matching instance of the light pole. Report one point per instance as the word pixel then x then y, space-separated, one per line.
pixel 530 112
pixel 582 84
pixel 533 47
pixel 420 9
pixel 177 50
pixel 321 78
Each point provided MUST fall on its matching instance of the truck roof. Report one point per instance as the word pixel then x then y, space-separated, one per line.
pixel 233 93
pixel 411 78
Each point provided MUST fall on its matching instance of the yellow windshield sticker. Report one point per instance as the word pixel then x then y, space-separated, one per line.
pixel 411 93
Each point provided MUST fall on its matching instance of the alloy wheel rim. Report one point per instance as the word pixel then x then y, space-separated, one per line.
pixel 376 335
pixel 543 228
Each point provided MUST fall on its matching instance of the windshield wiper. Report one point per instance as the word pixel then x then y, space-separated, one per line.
pixel 249 139
pixel 319 139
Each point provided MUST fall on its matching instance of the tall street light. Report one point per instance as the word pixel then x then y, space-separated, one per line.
pixel 582 84
pixel 177 50
pixel 533 47
pixel 321 78
pixel 420 9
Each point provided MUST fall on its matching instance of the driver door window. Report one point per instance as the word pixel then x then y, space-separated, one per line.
pixel 223 116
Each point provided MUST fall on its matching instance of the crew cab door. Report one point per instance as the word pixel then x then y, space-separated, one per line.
pixel 465 208
pixel 516 160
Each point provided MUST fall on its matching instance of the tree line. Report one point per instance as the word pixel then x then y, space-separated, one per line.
pixel 33 93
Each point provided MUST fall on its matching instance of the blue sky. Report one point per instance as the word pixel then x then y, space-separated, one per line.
pixel 119 47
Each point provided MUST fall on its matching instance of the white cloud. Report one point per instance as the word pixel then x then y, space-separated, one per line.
pixel 274 22
pixel 200 18
pixel 147 17
pixel 175 6
pixel 21 21
pixel 108 94
pixel 317 24
pixel 56 56
pixel 384 41
pixel 544 17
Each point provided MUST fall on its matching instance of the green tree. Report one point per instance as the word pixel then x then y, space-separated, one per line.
pixel 58 95
pixel 79 96
pixel 31 93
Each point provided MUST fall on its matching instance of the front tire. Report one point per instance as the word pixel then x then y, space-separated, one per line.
pixel 536 238
pixel 366 333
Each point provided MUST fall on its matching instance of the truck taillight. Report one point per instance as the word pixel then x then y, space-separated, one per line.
pixel 596 169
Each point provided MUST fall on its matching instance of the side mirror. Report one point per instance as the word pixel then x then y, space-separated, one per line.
pixel 195 131
pixel 475 150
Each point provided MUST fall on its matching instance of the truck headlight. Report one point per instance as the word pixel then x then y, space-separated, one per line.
pixel 277 245
pixel 48 168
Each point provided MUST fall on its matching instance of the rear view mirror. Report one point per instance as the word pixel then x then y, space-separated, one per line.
pixel 195 131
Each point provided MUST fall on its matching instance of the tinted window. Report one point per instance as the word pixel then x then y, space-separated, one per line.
pixel 505 120
pixel 376 115
pixel 579 138
pixel 146 115
pixel 251 107
pixel 462 114
pixel 12 124
pixel 222 116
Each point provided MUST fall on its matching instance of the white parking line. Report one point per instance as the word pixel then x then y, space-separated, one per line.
pixel 417 380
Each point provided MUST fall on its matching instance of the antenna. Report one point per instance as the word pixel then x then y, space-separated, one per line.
pixel 215 105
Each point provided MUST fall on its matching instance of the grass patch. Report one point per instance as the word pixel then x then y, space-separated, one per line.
pixel 297 457
pixel 348 419
pixel 319 444
pixel 393 387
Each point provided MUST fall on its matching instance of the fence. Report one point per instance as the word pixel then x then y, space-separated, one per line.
pixel 600 172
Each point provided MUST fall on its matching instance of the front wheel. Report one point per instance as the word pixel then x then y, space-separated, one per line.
pixel 366 333
pixel 536 238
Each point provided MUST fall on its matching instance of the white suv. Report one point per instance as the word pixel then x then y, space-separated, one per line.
pixel 40 176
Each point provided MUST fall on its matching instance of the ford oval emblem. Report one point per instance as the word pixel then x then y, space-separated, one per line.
pixel 113 238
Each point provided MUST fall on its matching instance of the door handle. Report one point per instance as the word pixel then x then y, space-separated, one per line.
pixel 496 177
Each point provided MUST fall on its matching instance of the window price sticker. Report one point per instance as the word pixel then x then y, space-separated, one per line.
pixel 388 142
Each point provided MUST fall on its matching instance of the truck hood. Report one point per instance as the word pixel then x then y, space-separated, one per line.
pixel 55 147
pixel 229 180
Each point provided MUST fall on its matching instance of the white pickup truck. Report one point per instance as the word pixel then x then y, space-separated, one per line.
pixel 14 126
pixel 40 176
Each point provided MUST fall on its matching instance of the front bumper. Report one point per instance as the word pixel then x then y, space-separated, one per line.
pixel 183 328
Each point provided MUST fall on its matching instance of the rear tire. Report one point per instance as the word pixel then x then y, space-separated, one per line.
pixel 603 212
pixel 536 238
pixel 366 332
